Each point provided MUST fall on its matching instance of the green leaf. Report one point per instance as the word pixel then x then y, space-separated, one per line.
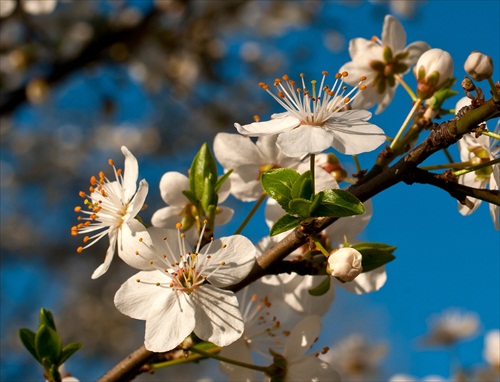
pixel 284 223
pixel 28 339
pixel 301 207
pixel 302 188
pixel 221 180
pixel 69 350
pixel 48 345
pixel 278 185
pixel 191 196
pixel 209 198
pixel 322 288
pixel 203 167
pixel 374 254
pixel 338 203
pixel 54 373
pixel 46 318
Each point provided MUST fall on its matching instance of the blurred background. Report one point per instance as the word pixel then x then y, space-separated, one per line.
pixel 79 79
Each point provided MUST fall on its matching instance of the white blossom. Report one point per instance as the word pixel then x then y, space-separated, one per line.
pixel 345 263
pixel 450 327
pixel 110 208
pixel 184 293
pixel 433 69
pixel 381 61
pixel 479 66
pixel 315 120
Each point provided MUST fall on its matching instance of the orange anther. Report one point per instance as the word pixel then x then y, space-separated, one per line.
pixel 362 78
pixel 93 180
pixel 256 118
pixel 101 174
pixel 178 225
pixel 119 172
pixel 362 87
pixel 324 72
pixel 82 194
pixel 92 189
pixel 337 76
pixel 78 209
pixel 86 224
pixel 347 100
pixel 281 94
pixel 110 162
pixel 79 249
pixel 85 239
pixel 374 38
pixel 345 74
pixel 285 77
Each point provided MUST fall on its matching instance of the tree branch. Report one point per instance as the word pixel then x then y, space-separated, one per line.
pixel 90 53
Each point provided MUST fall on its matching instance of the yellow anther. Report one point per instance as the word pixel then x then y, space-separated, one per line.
pixel 138 280
pixel 151 262
pixel 224 245
pixel 137 252
pixel 78 209
pixel 222 263
pixel 157 284
pixel 140 239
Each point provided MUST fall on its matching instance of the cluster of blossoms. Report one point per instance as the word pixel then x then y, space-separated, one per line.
pixel 187 280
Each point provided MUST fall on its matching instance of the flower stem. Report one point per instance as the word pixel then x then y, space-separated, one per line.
pixel 251 213
pixel 457 166
pixel 203 353
pixel 478 167
pixel 312 166
pixel 405 123
pixel 356 162
pixel 448 155
pixel 494 90
pixel 406 87
pixel 179 361
pixel 491 134
pixel 320 247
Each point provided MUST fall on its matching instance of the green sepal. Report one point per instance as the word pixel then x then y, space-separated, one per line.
pixel 209 196
pixel 303 188
pixel 46 318
pixel 374 254
pixel 221 180
pixel 203 167
pixel 28 339
pixel 278 184
pixel 338 203
pixel 322 288
pixel 48 345
pixel 284 223
pixel 69 350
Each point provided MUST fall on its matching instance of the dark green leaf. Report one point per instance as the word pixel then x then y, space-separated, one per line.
pixel 48 344
pixel 69 350
pixel 374 254
pixel 28 339
pixel 278 185
pixel 302 188
pixel 322 288
pixel 338 203
pixel 284 223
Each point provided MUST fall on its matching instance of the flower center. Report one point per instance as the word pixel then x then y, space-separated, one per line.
pixel 315 105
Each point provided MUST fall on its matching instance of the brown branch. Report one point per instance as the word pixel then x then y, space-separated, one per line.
pixel 449 184
pixel 90 53
pixel 446 134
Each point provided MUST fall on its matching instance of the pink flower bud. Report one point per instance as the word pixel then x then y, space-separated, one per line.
pixel 434 68
pixel 345 264
pixel 479 66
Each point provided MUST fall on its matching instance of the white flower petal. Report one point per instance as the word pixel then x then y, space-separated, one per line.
pixel 227 145
pixel 363 50
pixel 238 350
pixel 311 368
pixel 416 49
pixel 304 140
pixel 110 253
pixel 224 215
pixel 130 174
pixel 297 296
pixel 169 322
pixel 355 137
pixel 129 244
pixel 138 200
pixel 217 313
pixel 172 184
pixel 274 126
pixel 495 185
pixel 366 282
pixel 301 338
pixel 237 252
pixel 135 299
pixel 393 34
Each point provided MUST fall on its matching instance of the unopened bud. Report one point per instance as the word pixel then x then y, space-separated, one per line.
pixel 434 68
pixel 468 85
pixel 479 66
pixel 345 263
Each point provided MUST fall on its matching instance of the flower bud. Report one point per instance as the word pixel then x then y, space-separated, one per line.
pixel 345 263
pixel 479 66
pixel 434 68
